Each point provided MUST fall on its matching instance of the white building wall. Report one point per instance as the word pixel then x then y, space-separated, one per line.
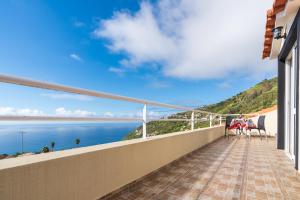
pixel 270 122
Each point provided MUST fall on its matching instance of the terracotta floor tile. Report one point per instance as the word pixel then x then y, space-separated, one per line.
pixel 226 169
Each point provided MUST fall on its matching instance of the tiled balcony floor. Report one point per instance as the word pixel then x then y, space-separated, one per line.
pixel 225 169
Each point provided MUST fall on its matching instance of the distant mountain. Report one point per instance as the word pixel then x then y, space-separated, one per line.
pixel 262 95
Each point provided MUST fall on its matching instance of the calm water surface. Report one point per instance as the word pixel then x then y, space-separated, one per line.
pixel 64 135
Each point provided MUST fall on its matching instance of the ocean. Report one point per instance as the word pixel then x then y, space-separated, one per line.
pixel 64 135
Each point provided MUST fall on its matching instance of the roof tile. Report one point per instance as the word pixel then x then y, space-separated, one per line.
pixel 278 6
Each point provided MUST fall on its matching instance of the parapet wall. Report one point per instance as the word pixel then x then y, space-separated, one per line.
pixel 89 173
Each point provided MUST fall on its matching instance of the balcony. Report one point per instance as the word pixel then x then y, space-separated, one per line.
pixel 224 169
pixel 192 164
pixel 198 164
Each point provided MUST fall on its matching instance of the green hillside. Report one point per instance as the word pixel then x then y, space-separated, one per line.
pixel 262 95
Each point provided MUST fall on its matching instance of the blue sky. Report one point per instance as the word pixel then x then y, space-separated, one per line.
pixel 155 50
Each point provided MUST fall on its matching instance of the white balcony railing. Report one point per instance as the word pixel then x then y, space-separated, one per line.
pixel 79 91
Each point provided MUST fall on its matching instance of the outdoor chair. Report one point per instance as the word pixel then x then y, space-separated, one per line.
pixel 228 126
pixel 260 126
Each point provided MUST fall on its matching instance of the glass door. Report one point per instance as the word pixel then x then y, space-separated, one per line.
pixel 290 102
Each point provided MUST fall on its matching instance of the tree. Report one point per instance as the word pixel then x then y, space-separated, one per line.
pixel 45 149
pixel 52 146
pixel 77 141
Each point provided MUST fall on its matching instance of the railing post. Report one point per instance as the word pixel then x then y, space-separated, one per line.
pixel 210 120
pixel 22 135
pixel 220 120
pixel 192 120
pixel 145 121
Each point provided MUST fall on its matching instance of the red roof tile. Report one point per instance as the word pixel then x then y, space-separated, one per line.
pixel 278 6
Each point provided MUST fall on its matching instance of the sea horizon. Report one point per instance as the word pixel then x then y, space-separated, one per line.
pixel 37 136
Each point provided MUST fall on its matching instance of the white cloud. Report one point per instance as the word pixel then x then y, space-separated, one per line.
pixel 20 112
pixel 117 70
pixel 68 96
pixel 108 114
pixel 10 111
pixel 154 114
pixel 76 57
pixel 76 113
pixel 150 114
pixel 193 39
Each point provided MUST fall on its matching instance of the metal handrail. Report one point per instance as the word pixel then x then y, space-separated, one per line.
pixel 65 118
pixel 91 93
pixel 62 88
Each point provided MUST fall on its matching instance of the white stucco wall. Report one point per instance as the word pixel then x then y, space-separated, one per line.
pixel 270 122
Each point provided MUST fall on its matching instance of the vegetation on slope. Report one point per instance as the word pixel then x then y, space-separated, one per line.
pixel 163 127
pixel 262 95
